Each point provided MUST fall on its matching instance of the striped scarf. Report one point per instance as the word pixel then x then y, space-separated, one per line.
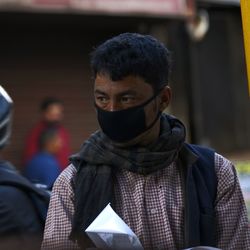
pixel 99 159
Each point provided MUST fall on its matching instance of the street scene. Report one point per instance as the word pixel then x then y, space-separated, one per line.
pixel 124 124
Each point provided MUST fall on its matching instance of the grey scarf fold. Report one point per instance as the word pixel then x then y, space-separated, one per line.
pixel 98 160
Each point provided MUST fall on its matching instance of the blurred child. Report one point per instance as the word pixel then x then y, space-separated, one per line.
pixel 43 168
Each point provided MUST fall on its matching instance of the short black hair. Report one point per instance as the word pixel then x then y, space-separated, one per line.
pixel 48 101
pixel 133 54
pixel 46 136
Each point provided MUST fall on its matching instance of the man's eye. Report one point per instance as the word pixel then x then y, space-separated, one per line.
pixel 127 99
pixel 102 99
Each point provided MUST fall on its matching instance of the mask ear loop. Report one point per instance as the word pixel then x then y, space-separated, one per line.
pixel 153 122
pixel 159 112
pixel 153 97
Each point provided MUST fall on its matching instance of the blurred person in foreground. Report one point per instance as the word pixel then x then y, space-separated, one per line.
pixel 43 167
pixel 52 115
pixel 173 195
pixel 21 224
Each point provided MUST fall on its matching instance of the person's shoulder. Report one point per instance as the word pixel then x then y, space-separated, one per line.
pixel 12 202
pixel 53 162
pixel 39 160
pixel 10 180
pixel 37 157
pixel 225 169
pixel 66 178
pixel 46 158
pixel 222 163
pixel 11 194
pixel 7 192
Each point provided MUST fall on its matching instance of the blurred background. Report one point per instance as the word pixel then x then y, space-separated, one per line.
pixel 45 47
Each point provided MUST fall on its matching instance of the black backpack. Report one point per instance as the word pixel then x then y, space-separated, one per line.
pixel 38 194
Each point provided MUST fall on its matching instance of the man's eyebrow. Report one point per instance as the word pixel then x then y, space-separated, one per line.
pixel 97 91
pixel 128 92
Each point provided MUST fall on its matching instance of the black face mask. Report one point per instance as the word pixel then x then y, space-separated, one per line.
pixel 124 125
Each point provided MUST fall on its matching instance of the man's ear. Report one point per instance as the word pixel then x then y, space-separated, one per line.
pixel 165 96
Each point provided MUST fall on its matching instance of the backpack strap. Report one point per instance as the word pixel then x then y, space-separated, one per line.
pixel 206 165
pixel 200 195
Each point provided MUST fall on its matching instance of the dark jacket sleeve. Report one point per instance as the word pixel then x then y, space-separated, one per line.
pixel 7 218
pixel 19 223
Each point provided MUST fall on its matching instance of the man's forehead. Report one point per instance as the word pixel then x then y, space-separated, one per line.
pixel 127 80
pixel 128 86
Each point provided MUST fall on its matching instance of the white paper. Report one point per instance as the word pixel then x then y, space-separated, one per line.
pixel 109 231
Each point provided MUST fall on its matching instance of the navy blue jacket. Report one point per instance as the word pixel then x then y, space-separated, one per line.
pixel 20 225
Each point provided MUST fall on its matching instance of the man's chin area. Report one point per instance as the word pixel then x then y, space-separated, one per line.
pixel 147 137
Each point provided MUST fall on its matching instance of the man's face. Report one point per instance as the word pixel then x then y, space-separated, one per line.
pixel 54 113
pixel 130 92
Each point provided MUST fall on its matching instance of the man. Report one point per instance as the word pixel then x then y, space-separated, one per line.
pixel 171 194
pixel 21 223
pixel 52 115
pixel 43 167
